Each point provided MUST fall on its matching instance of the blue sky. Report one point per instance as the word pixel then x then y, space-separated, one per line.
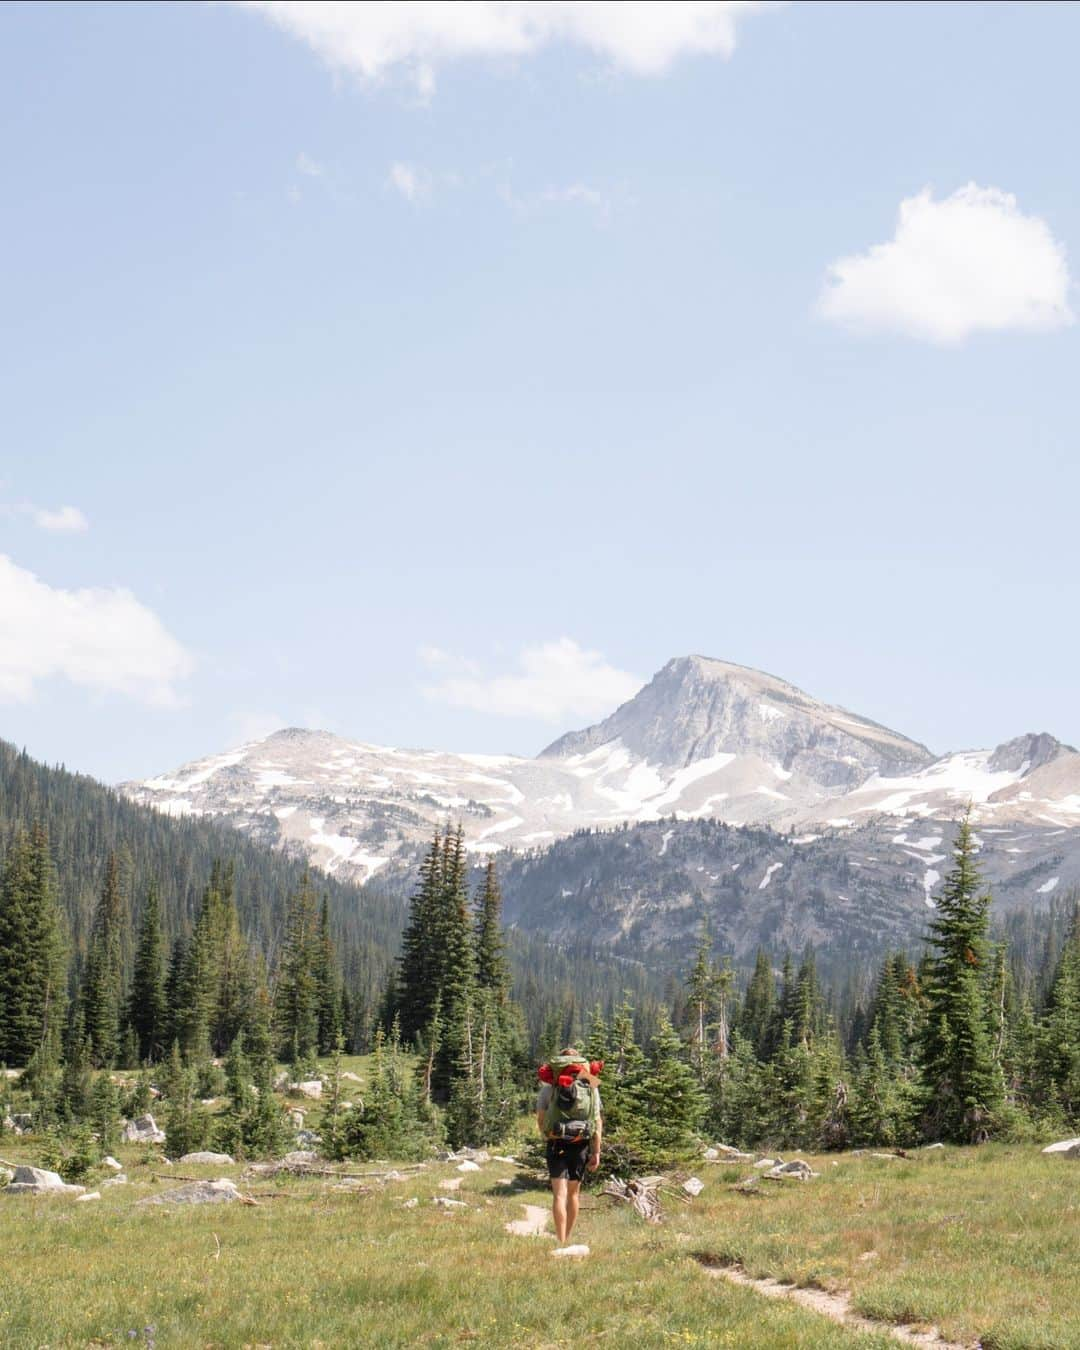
pixel 435 382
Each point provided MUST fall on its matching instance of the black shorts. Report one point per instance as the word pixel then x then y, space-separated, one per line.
pixel 566 1158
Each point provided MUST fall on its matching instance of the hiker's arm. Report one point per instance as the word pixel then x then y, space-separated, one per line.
pixel 540 1121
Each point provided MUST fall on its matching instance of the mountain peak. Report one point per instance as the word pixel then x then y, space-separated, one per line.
pixel 1028 752
pixel 698 707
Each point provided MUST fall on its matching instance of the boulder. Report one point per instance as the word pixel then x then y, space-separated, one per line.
pixel 766 1163
pixel 119 1180
pixel 349 1077
pixel 142 1130
pixel 693 1186
pixel 300 1158
pixel 468 1166
pixel 90 1195
pixel 928 1147
pixel 197 1193
pixel 796 1170
pixel 211 1159
pixel 37 1181
pixel 306 1137
pixel 311 1088
pixel 725 1153
pixel 476 1155
pixel 450 1184
pixel 111 1164
pixel 1063 1146
pixel 443 1202
pixel 296 1119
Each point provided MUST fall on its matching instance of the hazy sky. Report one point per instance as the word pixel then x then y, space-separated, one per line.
pixel 434 373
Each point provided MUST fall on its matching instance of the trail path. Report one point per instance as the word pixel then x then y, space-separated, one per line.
pixel 837 1307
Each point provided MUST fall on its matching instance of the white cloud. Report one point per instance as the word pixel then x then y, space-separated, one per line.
pixel 308 166
pixel 67 520
pixel 972 262
pixel 413 182
pixel 373 41
pixel 104 639
pixel 576 194
pixel 555 681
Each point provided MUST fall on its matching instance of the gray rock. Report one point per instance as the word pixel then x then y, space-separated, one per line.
pixel 311 1088
pixel 796 1170
pixel 468 1166
pixel 300 1158
pixel 112 1164
pixel 725 1153
pixel 693 1186
pixel 296 1119
pixel 212 1159
pixel 765 1163
pixel 197 1193
pixel 442 1202
pixel 143 1130
pixel 1062 1146
pixel 348 1077
pixel 119 1180
pixel 37 1181
pixel 90 1195
pixel 928 1147
pixel 306 1137
pixel 476 1155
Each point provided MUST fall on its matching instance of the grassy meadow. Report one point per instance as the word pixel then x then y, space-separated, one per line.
pixel 982 1243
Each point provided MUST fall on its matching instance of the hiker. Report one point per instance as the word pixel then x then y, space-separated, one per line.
pixel 568 1116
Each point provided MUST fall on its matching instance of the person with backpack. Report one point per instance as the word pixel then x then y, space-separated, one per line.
pixel 568 1115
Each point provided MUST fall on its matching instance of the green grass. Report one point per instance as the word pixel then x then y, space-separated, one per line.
pixel 983 1243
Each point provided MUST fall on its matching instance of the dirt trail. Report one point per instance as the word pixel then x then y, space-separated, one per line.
pixel 534 1224
pixel 837 1307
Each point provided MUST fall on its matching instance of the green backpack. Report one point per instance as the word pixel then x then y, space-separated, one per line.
pixel 572 1110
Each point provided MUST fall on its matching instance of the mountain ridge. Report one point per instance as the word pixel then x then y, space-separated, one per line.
pixel 703 739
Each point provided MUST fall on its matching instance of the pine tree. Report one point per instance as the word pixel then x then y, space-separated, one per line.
pixel 756 1020
pixel 147 1012
pixel 962 1082
pixel 417 984
pixel 296 996
pixel 328 986
pixel 491 969
pixel 32 954
pixel 701 999
pixel 1059 1034
pixel 661 1112
pixel 101 996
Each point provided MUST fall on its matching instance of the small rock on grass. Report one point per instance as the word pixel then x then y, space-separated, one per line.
pixel 578 1250
pixel 468 1166
pixel 38 1181
pixel 119 1180
pixel 450 1184
pixel 112 1164
pixel 693 1186
pixel 796 1170
pixel 90 1195
pixel 411 1203
pixel 211 1159
pixel 444 1203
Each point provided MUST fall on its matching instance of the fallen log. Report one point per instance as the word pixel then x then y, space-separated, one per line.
pixel 641 1194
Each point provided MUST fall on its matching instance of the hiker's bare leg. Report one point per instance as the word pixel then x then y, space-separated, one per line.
pixel 572 1189
pixel 559 1206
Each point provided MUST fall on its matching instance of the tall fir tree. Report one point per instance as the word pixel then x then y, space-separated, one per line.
pixel 962 1081
pixel 101 996
pixel 491 968
pixel 147 1011
pixel 296 993
pixel 32 954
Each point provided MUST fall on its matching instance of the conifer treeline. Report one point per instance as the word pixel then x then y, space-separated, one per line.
pixel 951 1047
